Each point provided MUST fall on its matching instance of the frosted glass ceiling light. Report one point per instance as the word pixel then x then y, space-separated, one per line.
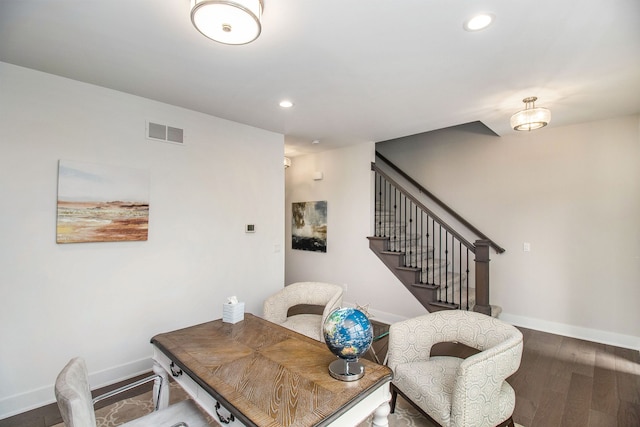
pixel 228 22
pixel 531 117
pixel 479 22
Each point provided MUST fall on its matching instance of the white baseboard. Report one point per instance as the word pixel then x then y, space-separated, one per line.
pixel 380 316
pixel 42 396
pixel 594 335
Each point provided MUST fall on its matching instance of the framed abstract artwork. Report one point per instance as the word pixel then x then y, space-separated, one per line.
pixel 309 226
pixel 100 203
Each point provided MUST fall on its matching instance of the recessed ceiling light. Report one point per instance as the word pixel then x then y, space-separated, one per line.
pixel 315 141
pixel 479 22
pixel 286 104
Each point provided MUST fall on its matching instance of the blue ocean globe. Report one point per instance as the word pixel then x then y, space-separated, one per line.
pixel 348 333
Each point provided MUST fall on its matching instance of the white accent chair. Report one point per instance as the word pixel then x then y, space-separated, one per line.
pixel 450 391
pixel 277 306
pixel 73 395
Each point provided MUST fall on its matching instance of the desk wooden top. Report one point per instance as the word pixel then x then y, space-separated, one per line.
pixel 267 375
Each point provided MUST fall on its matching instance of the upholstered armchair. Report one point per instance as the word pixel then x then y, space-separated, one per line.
pixel 277 306
pixel 451 391
pixel 73 395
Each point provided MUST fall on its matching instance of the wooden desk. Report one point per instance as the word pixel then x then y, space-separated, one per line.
pixel 267 375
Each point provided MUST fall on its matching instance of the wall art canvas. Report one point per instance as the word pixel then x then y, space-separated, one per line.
pixel 100 203
pixel 309 226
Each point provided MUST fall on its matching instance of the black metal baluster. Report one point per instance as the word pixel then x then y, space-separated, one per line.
pixel 382 207
pixel 409 243
pixel 449 271
pixel 389 212
pixel 378 200
pixel 396 218
pixel 421 245
pixel 460 271
pixel 439 263
pixel 467 279
pixel 416 241
pixel 433 251
pixel 403 221
pixel 446 268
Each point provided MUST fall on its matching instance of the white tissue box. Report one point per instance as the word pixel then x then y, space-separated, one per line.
pixel 233 313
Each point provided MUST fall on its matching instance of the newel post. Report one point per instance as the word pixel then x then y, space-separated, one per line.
pixel 482 277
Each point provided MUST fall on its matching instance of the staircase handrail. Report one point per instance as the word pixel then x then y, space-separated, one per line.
pixel 418 203
pixel 436 200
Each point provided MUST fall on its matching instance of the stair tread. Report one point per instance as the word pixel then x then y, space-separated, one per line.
pixel 425 286
pixel 449 306
pixel 392 253
pixel 408 268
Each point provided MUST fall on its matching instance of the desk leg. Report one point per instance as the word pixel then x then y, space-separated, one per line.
pixel 380 415
pixel 160 390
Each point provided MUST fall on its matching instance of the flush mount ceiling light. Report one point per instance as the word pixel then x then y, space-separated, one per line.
pixel 229 22
pixel 479 22
pixel 531 117
pixel 286 104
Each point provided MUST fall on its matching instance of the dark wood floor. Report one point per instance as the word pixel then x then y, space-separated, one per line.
pixel 570 382
pixel 561 382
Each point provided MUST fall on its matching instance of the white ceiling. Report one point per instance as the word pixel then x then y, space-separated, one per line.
pixel 357 70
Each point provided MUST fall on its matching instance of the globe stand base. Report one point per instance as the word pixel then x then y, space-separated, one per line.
pixel 345 370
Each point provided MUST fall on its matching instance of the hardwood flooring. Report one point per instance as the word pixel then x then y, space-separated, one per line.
pixel 561 382
pixel 570 382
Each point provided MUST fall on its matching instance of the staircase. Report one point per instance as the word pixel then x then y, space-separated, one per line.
pixel 442 269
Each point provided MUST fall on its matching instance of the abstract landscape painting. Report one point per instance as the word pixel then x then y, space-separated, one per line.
pixel 100 203
pixel 309 226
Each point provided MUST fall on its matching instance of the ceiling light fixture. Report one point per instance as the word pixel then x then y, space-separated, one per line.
pixel 228 21
pixel 286 104
pixel 479 22
pixel 531 117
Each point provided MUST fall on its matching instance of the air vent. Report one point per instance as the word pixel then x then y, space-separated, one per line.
pixel 165 133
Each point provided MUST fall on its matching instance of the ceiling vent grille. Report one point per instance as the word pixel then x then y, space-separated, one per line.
pixel 159 132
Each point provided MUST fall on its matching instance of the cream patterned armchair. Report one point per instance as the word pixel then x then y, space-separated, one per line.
pixel 313 293
pixel 449 390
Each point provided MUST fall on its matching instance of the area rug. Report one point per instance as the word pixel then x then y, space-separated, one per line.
pixel 135 407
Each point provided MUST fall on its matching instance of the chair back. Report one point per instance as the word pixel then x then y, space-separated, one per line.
pixel 419 334
pixel 73 395
pixel 313 293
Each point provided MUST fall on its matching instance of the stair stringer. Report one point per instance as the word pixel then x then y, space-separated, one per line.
pixel 409 276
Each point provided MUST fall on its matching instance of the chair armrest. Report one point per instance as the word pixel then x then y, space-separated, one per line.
pixel 483 376
pixel 157 378
pixel 275 308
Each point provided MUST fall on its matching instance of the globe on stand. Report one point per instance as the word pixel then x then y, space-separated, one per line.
pixel 348 334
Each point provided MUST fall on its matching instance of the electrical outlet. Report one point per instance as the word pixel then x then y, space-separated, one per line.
pixel 526 247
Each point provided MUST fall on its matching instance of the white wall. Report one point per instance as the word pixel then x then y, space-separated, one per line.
pixel 104 301
pixel 572 192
